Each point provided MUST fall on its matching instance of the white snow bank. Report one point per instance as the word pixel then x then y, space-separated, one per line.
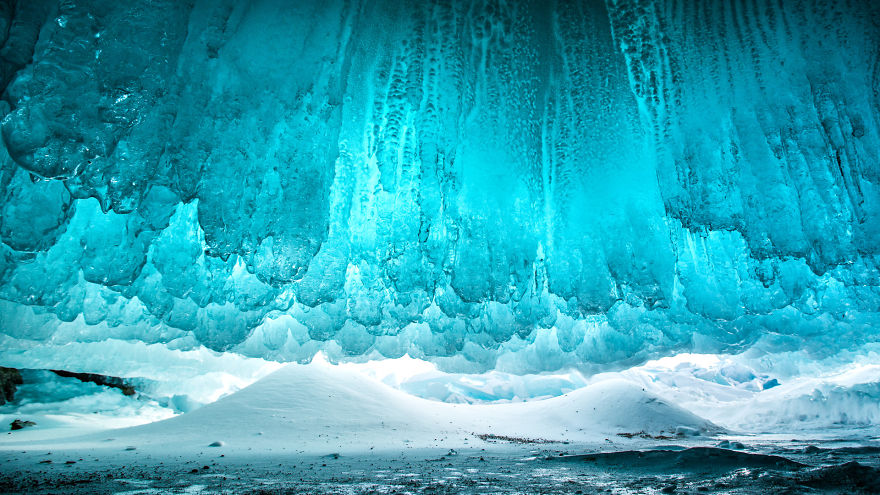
pixel 324 408
pixel 791 393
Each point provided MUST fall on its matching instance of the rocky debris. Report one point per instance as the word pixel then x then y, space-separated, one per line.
pixel 307 473
pixel 851 475
pixel 19 424
pixel 107 381
pixel 10 379
pixel 491 438
pixel 684 459
pixel 644 434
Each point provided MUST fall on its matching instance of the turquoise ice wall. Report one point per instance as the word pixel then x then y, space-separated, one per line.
pixel 590 183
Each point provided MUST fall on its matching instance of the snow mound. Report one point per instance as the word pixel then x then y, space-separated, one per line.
pixel 321 408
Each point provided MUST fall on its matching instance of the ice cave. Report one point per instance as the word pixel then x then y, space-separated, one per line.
pixel 439 246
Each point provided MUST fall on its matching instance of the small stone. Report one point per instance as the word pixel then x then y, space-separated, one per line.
pixel 19 424
pixel 218 443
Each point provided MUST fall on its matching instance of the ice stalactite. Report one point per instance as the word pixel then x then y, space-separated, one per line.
pixel 572 183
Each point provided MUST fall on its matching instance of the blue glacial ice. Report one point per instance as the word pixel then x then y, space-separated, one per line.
pixel 521 185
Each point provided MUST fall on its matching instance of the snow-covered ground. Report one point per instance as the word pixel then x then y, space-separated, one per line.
pixel 740 394
pixel 324 428
pixel 321 407
pixel 791 393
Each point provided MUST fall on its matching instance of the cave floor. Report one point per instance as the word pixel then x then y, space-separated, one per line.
pixel 500 467
pixel 319 429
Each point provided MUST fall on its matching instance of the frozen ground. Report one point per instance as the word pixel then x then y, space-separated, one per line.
pixel 327 429
pixel 499 468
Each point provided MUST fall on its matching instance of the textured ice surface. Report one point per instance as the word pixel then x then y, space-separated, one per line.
pixel 522 185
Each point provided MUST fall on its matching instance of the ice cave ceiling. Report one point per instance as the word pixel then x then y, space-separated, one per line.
pixel 578 183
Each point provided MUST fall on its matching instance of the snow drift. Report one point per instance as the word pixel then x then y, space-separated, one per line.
pixel 320 408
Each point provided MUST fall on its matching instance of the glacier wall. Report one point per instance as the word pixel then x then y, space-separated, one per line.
pixel 522 184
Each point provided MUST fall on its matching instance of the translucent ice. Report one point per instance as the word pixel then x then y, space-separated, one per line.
pixel 519 184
